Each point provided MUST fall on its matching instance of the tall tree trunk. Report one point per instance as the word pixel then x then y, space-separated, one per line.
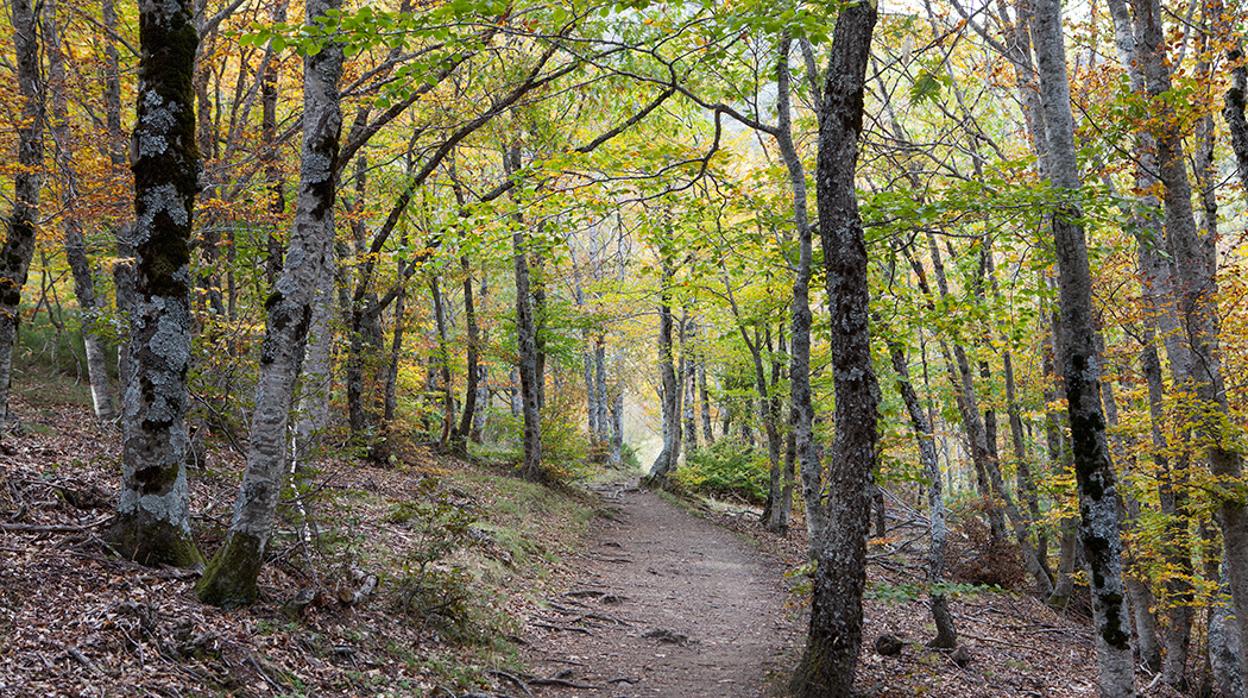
pixel 89 304
pixel 19 242
pixel 1156 279
pixel 946 634
pixel 1196 288
pixel 526 341
pixel 616 457
pixel 153 514
pixel 1094 473
pixel 316 380
pixel 230 579
pixel 269 153
pixel 391 402
pixel 669 388
pixel 1233 112
pixel 708 429
pixel 481 411
pixel 444 363
pixel 600 387
pixel 114 146
pixel 839 506
pixel 689 384
pixel 467 419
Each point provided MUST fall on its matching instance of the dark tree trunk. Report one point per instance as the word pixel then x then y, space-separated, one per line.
pixel 526 340
pixel 153 517
pixel 19 241
pixel 708 430
pixel 272 163
pixel 473 366
pixel 1098 503
pixel 665 462
pixel 840 504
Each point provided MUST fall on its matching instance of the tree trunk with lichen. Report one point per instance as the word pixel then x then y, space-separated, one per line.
pixel 230 579
pixel 19 243
pixel 153 515
pixel 529 363
pixel 837 498
pixel 1098 502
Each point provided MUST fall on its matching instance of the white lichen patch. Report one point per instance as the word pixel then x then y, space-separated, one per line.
pixel 162 199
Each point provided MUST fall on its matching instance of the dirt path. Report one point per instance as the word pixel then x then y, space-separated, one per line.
pixel 667 604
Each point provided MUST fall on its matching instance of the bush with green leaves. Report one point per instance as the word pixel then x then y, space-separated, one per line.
pixel 727 469
pixel 433 586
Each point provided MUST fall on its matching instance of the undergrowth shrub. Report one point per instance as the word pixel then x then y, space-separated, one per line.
pixel 726 469
pixel 974 557
pixel 433 587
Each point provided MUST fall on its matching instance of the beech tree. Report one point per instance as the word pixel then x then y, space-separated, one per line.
pixel 1081 370
pixel 19 239
pixel 230 579
pixel 153 522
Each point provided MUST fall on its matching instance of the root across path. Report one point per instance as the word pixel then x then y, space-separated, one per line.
pixel 666 604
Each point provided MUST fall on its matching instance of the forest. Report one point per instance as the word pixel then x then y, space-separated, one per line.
pixel 483 348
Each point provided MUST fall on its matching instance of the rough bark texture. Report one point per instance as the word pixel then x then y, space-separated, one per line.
pixel 89 305
pixel 230 579
pixel 665 462
pixel 1233 113
pixel 1098 505
pixel 316 381
pixel 1195 288
pixel 153 518
pixel 19 242
pixel 827 665
pixel 526 342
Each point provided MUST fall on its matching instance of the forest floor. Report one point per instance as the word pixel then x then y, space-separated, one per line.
pixel 689 597
pixel 664 604
pixel 614 592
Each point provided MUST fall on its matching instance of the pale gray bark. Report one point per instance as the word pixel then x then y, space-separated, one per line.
pixel 1195 285
pixel 600 388
pixel 1226 647
pixel 89 304
pixel 946 633
pixel 1098 504
pixel 230 579
pixel 316 379
pixel 443 362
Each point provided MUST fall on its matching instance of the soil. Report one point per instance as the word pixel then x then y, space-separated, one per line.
pixel 667 604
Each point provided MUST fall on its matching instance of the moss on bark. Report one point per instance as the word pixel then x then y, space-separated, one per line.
pixel 230 580
pixel 151 541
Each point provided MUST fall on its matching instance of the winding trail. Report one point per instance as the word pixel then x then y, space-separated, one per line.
pixel 667 604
